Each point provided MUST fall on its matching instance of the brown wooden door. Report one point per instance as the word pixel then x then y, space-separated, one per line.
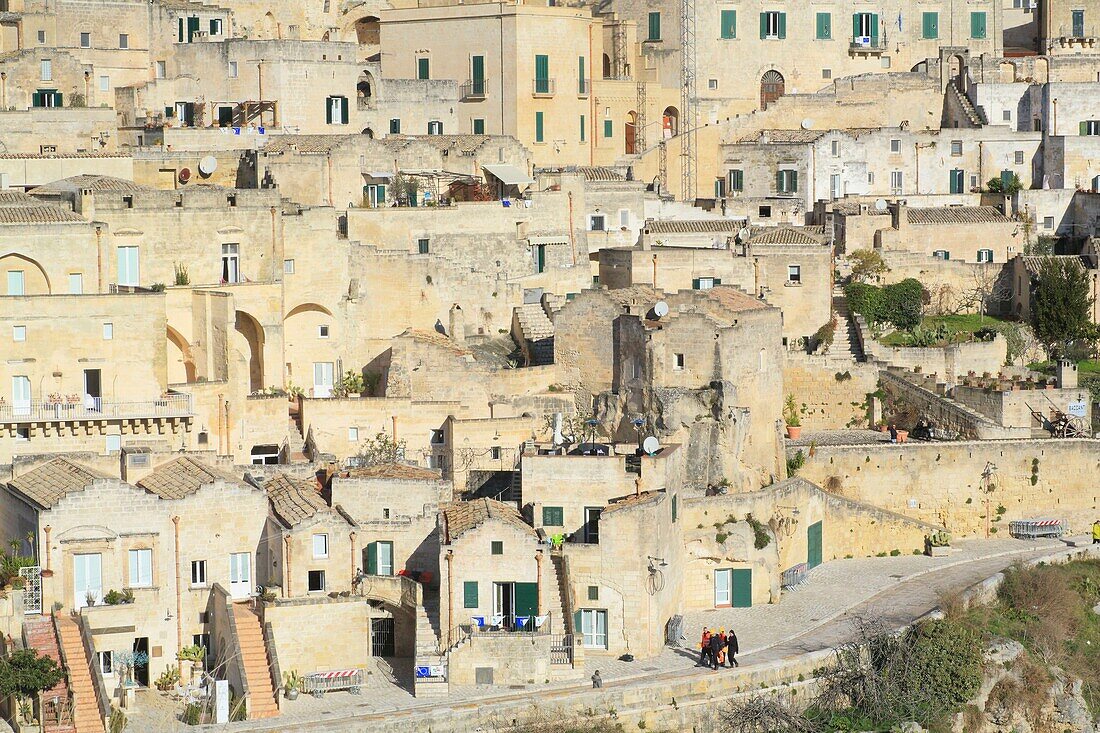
pixel 630 138
pixel 771 88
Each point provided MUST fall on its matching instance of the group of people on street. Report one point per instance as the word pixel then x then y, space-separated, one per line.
pixel 718 649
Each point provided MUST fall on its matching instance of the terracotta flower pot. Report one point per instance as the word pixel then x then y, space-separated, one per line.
pixel 794 431
pixel 903 435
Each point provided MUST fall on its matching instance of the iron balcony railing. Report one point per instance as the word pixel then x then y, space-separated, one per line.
pixel 94 408
pixel 544 87
pixel 473 89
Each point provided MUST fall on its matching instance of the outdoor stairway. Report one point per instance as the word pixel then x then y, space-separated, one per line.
pixel 296 442
pixel 973 115
pixel 86 711
pixel 538 331
pixel 553 596
pixel 254 661
pixel 428 642
pixel 38 634
pixel 844 344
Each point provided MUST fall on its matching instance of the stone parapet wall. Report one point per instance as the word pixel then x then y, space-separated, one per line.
pixel 945 413
pixel 950 361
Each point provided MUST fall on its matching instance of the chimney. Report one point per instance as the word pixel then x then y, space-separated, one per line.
pixel 1066 373
pixel 137 463
pixel 899 216
pixel 457 325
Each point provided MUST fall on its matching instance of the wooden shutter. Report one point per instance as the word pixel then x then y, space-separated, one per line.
pixel 674 497
pixel 609 128
pixel 469 594
pixel 372 558
pixel 874 29
pixel 542 67
pixel 580 78
pixel 344 110
pixel 763 25
pixel 654 26
pixel 192 27
pixel 741 588
pixel 823 29
pixel 477 68
pixel 538 127
pixel 213 26
pixel 694 283
pixel 1084 128
pixel 576 625
pixel 179 37
pixel 794 182
pixel 813 542
pixel 977 25
pixel 328 110
pixel 855 26
pixel 929 24
pixel 423 68
pixel 729 24
pixel 58 99
pixel 782 25
pixel 582 128
pixel 779 181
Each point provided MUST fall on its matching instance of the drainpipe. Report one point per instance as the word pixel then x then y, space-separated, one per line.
pixel 328 160
pixel 286 567
pixel 981 155
pixel 654 271
pixel 274 251
pixel 99 257
pixel 393 423
pixel 538 577
pixel 221 425
pixel 572 239
pixel 1055 125
pixel 4 87
pixel 450 594
pixel 353 563
pixel 179 596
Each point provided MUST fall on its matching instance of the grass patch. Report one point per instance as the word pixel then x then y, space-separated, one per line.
pixel 959 328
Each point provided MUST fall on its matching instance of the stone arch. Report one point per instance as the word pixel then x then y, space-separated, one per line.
pixel 606 66
pixel 772 87
pixel 253 333
pixel 35 279
pixel 367 30
pixel 186 359
pixel 368 132
pixel 670 122
pixel 1006 72
pixel 303 307
pixel 630 135
pixel 955 66
pixel 365 87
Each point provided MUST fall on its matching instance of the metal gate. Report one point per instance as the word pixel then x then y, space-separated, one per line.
pixel 382 633
pixel 561 649
pixel 32 589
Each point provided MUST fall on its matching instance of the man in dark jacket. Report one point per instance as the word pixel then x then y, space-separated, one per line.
pixel 731 649
pixel 715 647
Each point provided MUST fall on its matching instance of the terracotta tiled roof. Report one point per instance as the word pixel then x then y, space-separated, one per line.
pixel 462 143
pixel 55 156
pixel 694 226
pixel 600 173
pixel 48 483
pixel 631 500
pixel 293 500
pixel 182 477
pixel 851 208
pixel 785 235
pixel 40 214
pixel 461 516
pixel 395 471
pixel 956 215
pixel 783 136
pixel 734 300
pixel 92 182
pixel 13 197
pixel 305 143
pixel 1033 263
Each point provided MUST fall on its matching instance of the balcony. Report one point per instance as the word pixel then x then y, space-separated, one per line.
pixel 543 87
pixel 472 91
pixel 867 46
pixel 95 409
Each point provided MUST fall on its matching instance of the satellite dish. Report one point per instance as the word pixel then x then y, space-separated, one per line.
pixel 660 309
pixel 185 175
pixel 208 165
pixel 743 234
pixel 880 205
pixel 651 445
pixel 558 438
pixel 807 124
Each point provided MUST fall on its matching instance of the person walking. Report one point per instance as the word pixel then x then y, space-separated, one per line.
pixel 597 681
pixel 715 647
pixel 1096 532
pixel 704 648
pixel 731 649
pixel 721 647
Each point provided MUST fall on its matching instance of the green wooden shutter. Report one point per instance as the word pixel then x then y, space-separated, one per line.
pixel 813 545
pixel 782 25
pixel 874 29
pixel 423 68
pixel 1084 128
pixel 580 78
pixel 469 594
pixel 380 194
pixel 675 508
pixel 824 26
pixel 977 25
pixel 737 180
pixel 59 100
pixel 779 181
pixel 213 26
pixel 609 128
pixel 729 24
pixel 538 127
pixel 527 599
pixel 582 128
pixel 742 588
pixel 576 624
pixel 479 126
pixel 855 26
pixel 542 66
pixel 763 25
pixel 654 26
pixel 477 74
pixel 372 558
pixel 180 36
pixel 694 283
pixel 36 101
pixel 192 28
pixel 930 25
pixel 717 281
pixel 344 110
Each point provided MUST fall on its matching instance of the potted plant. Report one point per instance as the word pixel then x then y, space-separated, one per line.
pixel 190 658
pixel 168 679
pixel 937 544
pixel 792 417
pixel 90 598
pixel 292 684
pixel 903 435
pixel 882 426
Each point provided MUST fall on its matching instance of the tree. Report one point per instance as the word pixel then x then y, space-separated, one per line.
pixel 904 303
pixel 1061 309
pixel 867 264
pixel 380 449
pixel 25 674
pixel 985 287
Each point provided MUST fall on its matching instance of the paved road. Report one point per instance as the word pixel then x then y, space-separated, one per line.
pixel 813 618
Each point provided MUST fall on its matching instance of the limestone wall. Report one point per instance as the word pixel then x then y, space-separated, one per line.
pixel 941 483
pixel 928 401
pixel 950 362
pixel 834 393
pixel 514 659
pixel 306 646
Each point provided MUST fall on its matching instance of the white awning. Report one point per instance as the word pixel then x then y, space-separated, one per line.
pixel 379 174
pixel 509 175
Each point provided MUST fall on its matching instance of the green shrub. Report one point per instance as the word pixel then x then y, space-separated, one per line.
pixel 761 537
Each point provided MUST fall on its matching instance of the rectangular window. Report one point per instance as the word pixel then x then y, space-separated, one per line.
pixel 85 40
pixel 582 128
pixel 705 283
pixel 835 148
pixel 542 74
pixel 123 40
pixel 435 127
pixel 231 263
pixel 654 27
pixel 353 435
pixel 45 68
pixel 141 568
pixel 336 110
pixel 198 572
pixel 320 546
pixel 977 25
pixel 288 267
pixel 18 333
pixel 736 180
pixel 215 26
pixel 865 29
pixel 380 558
pixel 1018 157
pixel 582 82
pixel 786 181
pixel 824 26
pixel 593 592
pixel 729 23
pixel 469 594
pixel 496 547
pixel 712 83
pixel 896 181
pixel 15 282
pixel 104 83
pixel 956 147
pixel 1048 222
pixel 678 361
pixel 108 331
pixel 794 273
pixel 232 69
pixel 553 516
pixel 316 581
pixel 958 176
pixel 538 127
pixel 773 25
pixel 128 273
pixel 113 444
pixel 322 332
pixel 1006 115
pixel 723 586
pixel 895 145
pixel 423 68
pixel 41 36
pixel 104 660
pixel 597 223
pixel 477 76
pixel 608 128
pixel 423 245
pixel 834 186
pixel 494 453
pixel 395 126
pixel 930 26
pixel 985 255
pixel 1078 21
pixel 479 126
pixel 1090 127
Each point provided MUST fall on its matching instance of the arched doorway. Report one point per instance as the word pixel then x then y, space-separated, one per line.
pixel 367 31
pixel 606 66
pixel 364 89
pixel 772 87
pixel 253 334
pixel 630 135
pixel 368 132
pixel 670 122
pixel 181 363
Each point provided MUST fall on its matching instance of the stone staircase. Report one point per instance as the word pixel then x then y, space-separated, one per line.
pixel 296 442
pixel 254 663
pixel 87 716
pixel 973 115
pixel 553 596
pixel 844 342
pixel 38 634
pixel 428 641
pixel 537 333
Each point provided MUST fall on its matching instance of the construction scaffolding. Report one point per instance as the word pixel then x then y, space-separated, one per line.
pixel 639 120
pixel 689 114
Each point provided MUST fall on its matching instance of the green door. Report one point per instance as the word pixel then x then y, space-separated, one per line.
pixel 742 588
pixel 957 177
pixel 527 599
pixel 813 543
